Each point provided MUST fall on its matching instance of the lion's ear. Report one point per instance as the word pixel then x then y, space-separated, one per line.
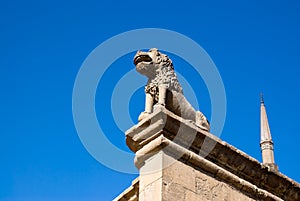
pixel 170 63
pixel 159 60
pixel 165 58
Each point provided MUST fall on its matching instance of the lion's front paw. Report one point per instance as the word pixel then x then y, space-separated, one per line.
pixel 143 115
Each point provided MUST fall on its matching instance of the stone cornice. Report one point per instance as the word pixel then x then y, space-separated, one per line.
pixel 165 131
pixel 131 193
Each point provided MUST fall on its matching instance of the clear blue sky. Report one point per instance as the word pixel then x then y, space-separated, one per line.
pixel 254 44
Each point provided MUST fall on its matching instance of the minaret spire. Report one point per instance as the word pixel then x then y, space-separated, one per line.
pixel 261 98
pixel 266 142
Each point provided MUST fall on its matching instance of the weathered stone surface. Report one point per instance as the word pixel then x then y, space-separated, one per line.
pixel 163 87
pixel 131 193
pixel 170 155
pixel 179 181
pixel 153 191
pixel 195 183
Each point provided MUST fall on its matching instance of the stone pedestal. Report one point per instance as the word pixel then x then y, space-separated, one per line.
pixel 179 161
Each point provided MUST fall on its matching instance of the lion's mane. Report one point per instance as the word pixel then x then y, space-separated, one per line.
pixel 166 75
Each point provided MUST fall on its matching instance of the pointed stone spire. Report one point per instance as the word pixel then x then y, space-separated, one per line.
pixel 266 142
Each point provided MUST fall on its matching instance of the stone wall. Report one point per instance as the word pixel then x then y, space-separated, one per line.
pixel 183 182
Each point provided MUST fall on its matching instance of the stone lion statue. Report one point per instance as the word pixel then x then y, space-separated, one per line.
pixel 163 87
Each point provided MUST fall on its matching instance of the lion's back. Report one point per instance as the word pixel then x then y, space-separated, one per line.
pixel 178 104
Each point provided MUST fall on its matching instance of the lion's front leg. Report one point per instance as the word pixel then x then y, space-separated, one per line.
pixel 148 107
pixel 162 94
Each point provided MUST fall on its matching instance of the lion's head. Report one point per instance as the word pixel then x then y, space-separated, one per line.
pixel 158 68
pixel 151 62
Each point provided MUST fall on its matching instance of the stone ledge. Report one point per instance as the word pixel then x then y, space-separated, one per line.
pixel 164 128
pixel 188 157
pixel 131 193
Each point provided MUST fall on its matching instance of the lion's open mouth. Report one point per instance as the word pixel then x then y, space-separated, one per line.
pixel 142 58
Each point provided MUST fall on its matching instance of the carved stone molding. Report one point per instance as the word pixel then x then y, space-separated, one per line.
pixel 162 131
